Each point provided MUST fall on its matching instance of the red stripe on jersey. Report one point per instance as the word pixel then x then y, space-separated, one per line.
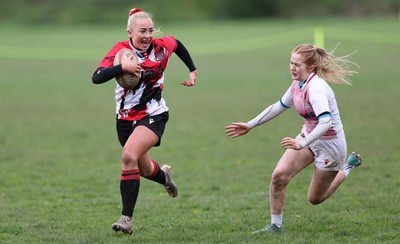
pixel 132 114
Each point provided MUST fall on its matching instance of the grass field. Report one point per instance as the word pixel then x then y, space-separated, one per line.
pixel 60 158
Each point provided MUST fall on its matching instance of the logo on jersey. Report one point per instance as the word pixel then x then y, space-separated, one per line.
pixel 159 54
pixel 308 116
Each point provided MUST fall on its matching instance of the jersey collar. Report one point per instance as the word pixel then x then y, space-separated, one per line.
pixel 138 52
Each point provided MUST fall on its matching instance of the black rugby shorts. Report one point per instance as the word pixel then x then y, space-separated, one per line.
pixel 155 123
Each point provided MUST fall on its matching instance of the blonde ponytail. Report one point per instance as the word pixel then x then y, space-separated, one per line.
pixel 327 66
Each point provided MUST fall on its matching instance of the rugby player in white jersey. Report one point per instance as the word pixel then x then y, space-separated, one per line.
pixel 322 139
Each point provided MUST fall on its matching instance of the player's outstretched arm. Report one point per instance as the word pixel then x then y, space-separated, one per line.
pixel 184 55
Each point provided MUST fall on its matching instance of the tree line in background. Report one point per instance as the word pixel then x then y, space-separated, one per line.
pixel 111 12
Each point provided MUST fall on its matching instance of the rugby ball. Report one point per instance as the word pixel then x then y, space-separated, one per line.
pixel 125 80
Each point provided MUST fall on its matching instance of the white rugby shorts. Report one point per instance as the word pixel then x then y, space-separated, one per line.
pixel 329 155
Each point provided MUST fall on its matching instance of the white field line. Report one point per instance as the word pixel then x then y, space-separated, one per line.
pixel 207 48
pixel 50 53
pixel 362 36
pixel 254 43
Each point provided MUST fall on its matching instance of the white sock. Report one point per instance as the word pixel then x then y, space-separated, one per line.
pixel 346 171
pixel 277 219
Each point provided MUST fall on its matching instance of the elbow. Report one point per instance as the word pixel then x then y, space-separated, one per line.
pixel 329 124
pixel 325 121
pixel 95 80
pixel 96 77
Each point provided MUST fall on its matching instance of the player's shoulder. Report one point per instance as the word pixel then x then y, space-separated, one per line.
pixel 118 46
pixel 164 39
pixel 168 42
pixel 320 87
pixel 108 59
pixel 318 83
pixel 122 44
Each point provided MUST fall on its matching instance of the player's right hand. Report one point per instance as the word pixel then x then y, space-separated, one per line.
pixel 237 129
pixel 132 66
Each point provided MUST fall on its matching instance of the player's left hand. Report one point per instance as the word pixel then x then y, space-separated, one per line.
pixel 290 143
pixel 192 79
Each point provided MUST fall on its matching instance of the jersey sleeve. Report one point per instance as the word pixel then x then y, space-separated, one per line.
pixel 168 42
pixel 108 60
pixel 184 55
pixel 287 99
pixel 319 97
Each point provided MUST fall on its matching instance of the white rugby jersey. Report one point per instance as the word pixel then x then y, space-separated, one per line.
pixel 311 100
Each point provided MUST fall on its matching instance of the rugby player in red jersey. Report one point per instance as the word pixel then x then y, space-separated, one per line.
pixel 141 113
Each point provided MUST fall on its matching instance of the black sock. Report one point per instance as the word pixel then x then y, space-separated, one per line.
pixel 158 175
pixel 129 187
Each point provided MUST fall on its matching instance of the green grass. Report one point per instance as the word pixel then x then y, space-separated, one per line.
pixel 60 158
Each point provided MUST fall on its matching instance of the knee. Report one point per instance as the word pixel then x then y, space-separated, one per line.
pixel 314 200
pixel 279 180
pixel 129 158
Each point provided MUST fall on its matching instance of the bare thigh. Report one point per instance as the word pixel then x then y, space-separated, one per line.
pixel 320 184
pixel 292 162
pixel 136 148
